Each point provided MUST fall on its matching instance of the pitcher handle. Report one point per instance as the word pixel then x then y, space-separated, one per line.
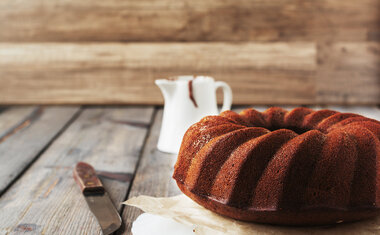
pixel 227 95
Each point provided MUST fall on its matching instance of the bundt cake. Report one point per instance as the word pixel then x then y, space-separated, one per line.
pixel 298 167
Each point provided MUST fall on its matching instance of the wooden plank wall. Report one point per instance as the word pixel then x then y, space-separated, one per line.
pixel 110 52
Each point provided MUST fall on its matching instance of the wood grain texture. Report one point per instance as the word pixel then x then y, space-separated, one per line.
pixel 153 176
pixel 189 20
pixel 270 52
pixel 259 73
pixel 46 199
pixel 85 176
pixel 124 73
pixel 348 72
pixel 11 117
pixel 23 143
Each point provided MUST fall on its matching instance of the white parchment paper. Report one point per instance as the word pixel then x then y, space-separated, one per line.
pixel 183 210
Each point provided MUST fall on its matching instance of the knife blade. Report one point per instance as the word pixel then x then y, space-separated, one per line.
pixel 97 198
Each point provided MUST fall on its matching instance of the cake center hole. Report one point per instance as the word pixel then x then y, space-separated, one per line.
pixel 297 130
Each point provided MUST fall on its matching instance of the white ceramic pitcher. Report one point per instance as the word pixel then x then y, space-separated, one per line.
pixel 187 100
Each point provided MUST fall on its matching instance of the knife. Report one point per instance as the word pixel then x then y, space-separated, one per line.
pixel 97 198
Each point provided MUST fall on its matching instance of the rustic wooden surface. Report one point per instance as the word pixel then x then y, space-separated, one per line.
pixel 10 117
pixel 125 73
pixel 189 20
pixel 259 73
pixel 120 142
pixel 270 52
pixel 46 199
pixel 24 141
pixel 153 176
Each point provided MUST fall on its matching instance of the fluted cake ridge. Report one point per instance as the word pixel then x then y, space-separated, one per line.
pixel 298 167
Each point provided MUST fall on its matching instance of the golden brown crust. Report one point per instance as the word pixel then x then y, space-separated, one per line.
pixel 298 167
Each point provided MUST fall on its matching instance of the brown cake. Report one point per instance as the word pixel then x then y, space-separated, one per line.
pixel 298 167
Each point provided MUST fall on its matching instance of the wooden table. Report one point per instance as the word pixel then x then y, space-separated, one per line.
pixel 40 145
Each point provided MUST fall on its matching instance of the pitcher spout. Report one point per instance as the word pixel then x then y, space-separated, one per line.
pixel 167 88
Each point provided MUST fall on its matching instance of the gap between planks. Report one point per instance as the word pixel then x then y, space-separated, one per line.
pixel 154 115
pixel 153 176
pixel 25 142
pixel 47 200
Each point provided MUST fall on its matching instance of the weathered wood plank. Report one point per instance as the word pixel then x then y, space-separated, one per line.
pixel 259 73
pixel 188 20
pixel 348 73
pixel 124 73
pixel 46 199
pixel 20 146
pixel 153 176
pixel 12 116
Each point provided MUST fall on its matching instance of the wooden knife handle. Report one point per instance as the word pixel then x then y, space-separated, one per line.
pixel 85 175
